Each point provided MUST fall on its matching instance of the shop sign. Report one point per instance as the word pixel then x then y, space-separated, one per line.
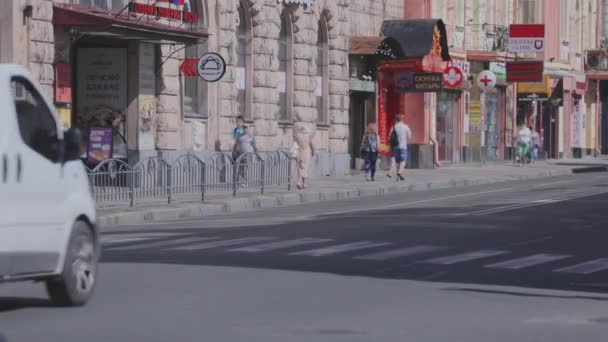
pixel 528 71
pixel 363 86
pixel 410 82
pixel 499 69
pixel 486 80
pixel 164 12
pixel 298 2
pixel 100 145
pixel 452 76
pixel 540 88
pixel 65 117
pixel 526 38
pixel 63 83
pixel 211 67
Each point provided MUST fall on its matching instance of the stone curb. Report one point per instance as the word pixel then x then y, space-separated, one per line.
pixel 236 205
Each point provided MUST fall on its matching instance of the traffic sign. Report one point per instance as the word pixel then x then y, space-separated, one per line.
pixel 526 38
pixel 486 80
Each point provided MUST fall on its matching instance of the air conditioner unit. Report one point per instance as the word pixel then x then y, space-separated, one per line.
pixel 596 60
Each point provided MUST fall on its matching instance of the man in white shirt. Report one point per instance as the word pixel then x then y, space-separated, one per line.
pixel 400 135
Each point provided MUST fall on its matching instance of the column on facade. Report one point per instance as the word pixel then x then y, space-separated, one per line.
pixel 168 119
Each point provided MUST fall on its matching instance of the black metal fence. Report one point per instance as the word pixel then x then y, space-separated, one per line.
pixel 115 181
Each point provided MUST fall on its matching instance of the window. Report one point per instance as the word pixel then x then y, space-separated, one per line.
pixel 459 11
pixel 115 5
pixel 195 89
pixel 564 28
pixel 243 78
pixel 285 73
pixel 528 12
pixel 578 28
pixel 37 125
pixel 322 79
pixel 590 27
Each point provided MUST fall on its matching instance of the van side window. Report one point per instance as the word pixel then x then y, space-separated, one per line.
pixel 37 125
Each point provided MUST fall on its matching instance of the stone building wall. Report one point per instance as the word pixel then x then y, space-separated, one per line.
pixel 367 15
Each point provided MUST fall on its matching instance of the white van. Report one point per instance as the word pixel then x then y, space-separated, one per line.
pixel 47 214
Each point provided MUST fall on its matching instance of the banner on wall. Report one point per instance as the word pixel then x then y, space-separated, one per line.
pixel 146 99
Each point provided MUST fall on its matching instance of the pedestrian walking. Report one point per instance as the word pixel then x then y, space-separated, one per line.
pixel 243 144
pixel 399 137
pixel 303 151
pixel 535 142
pixel 369 151
pixel 240 122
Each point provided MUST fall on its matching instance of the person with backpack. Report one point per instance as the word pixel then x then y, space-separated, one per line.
pixel 399 136
pixel 369 151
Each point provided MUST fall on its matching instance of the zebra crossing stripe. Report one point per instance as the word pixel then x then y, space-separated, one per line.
pixel 271 246
pixel 160 244
pixel 588 267
pixel 454 259
pixel 221 243
pixel 397 253
pixel 533 260
pixel 348 247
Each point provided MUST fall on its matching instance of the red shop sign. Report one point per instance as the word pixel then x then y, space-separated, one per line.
pixel 530 71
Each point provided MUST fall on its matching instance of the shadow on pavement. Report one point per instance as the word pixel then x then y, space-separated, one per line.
pixel 16 303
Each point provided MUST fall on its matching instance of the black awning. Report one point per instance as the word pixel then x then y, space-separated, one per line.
pixel 414 38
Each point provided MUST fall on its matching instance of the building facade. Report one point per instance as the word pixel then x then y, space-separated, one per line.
pixel 116 64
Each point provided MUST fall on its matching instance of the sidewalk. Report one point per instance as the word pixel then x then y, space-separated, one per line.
pixel 334 188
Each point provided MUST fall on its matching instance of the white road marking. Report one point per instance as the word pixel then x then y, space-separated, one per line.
pixel 413 202
pixel 117 237
pixel 348 247
pixel 271 246
pixel 398 253
pixel 586 267
pixel 555 183
pixel 454 259
pixel 222 243
pixel 113 242
pixel 533 260
pixel 533 204
pixel 161 244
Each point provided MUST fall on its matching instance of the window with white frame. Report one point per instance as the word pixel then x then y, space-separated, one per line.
pixel 285 72
pixel 528 11
pixel 244 66
pixel 590 27
pixel 322 78
pixel 564 21
pixel 196 89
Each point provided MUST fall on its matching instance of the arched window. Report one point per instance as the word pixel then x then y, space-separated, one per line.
pixel 243 78
pixel 285 72
pixel 322 79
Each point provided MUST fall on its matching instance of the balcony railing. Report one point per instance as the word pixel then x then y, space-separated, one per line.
pixel 487 37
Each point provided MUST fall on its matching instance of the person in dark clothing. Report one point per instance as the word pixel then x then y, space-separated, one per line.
pixel 369 151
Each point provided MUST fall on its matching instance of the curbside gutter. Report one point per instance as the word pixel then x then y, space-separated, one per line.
pixel 236 205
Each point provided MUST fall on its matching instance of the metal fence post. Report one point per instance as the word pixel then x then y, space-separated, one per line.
pixel 289 176
pixel 263 173
pixel 235 177
pixel 203 181
pixel 169 174
pixel 132 188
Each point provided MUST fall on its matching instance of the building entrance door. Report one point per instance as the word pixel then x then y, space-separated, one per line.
pixel 446 113
pixel 362 112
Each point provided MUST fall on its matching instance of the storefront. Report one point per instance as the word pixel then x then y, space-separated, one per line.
pixel 110 70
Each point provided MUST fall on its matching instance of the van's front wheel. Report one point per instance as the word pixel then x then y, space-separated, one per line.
pixel 77 281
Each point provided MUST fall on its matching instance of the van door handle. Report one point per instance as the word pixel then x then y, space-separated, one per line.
pixel 4 168
pixel 19 168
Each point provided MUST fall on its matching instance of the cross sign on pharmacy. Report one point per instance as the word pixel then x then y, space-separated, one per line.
pixel 486 80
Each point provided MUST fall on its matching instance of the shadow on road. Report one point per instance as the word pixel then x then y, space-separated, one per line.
pixel 16 303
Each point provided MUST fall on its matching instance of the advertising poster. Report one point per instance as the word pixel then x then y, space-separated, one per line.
pixel 100 144
pixel 63 83
pixel 475 116
pixel 146 100
pixel 239 78
pixel 102 92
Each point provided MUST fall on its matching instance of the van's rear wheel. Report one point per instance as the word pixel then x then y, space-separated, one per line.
pixel 77 281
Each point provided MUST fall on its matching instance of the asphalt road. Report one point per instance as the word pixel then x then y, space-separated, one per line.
pixel 522 261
